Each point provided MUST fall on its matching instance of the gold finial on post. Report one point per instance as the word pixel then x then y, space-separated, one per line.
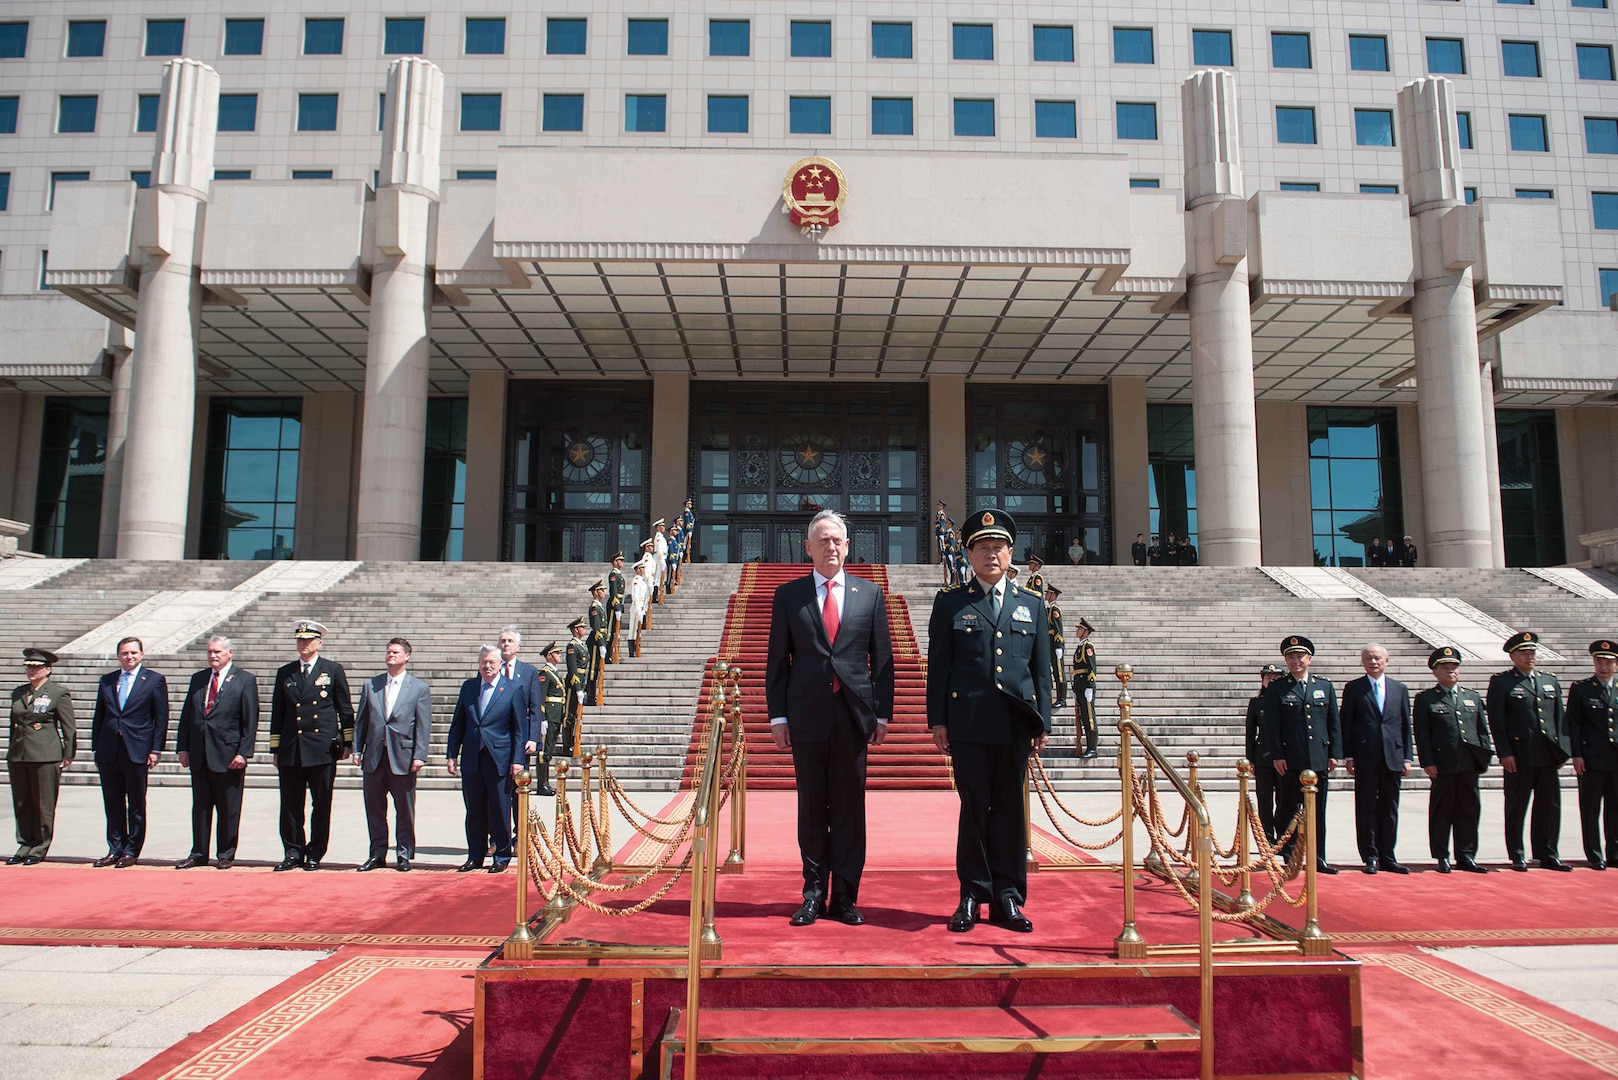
pixel 1244 782
pixel 1129 945
pixel 520 945
pixel 1311 940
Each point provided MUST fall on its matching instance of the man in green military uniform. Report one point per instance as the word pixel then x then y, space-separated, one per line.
pixel 553 706
pixel 1592 717
pixel 1452 741
pixel 1058 668
pixel 1263 771
pixel 311 730
pixel 599 618
pixel 578 681
pixel 43 741
pixel 1301 731
pixel 1084 692
pixel 617 589
pixel 1525 720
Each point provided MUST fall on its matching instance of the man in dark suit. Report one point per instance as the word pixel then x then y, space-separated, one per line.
pixel 1526 721
pixel 311 730
pixel 127 733
pixel 1375 715
pixel 1592 716
pixel 1374 555
pixel 391 731
pixel 1263 771
pixel 218 732
pixel 1137 550
pixel 533 723
pixel 829 688
pixel 989 706
pixel 1301 731
pixel 486 734
pixel 1452 737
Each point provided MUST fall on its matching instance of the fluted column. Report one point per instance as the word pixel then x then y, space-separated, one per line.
pixel 1444 232
pixel 156 483
pixel 393 439
pixel 1225 430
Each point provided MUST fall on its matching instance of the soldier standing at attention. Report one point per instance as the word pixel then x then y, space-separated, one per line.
pixel 676 557
pixel 1258 756
pixel 1407 552
pixel 1058 669
pixel 1592 716
pixel 1525 719
pixel 552 687
pixel 311 730
pixel 617 587
pixel 1154 554
pixel 578 680
pixel 1301 731
pixel 1084 692
pixel 660 551
pixel 940 531
pixel 1137 550
pixel 43 741
pixel 598 634
pixel 688 521
pixel 1452 738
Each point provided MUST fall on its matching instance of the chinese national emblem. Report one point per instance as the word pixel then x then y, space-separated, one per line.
pixel 814 191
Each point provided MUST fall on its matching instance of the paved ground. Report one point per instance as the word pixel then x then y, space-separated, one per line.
pixel 1583 979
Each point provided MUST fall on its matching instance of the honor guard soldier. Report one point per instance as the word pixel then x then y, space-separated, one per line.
pixel 1259 757
pixel 1301 731
pixel 1084 692
pixel 599 617
pixel 1592 716
pixel 578 681
pixel 1525 720
pixel 1154 554
pixel 1058 669
pixel 311 730
pixel 1137 550
pixel 941 534
pixel 639 595
pixel 1452 741
pixel 660 551
pixel 552 685
pixel 688 522
pixel 617 590
pixel 672 574
pixel 43 741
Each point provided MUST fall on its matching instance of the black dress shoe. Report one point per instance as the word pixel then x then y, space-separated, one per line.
pixel 965 917
pixel 1554 864
pixel 846 913
pixel 1369 868
pixel 1519 865
pixel 1005 913
pixel 1089 755
pixel 33 860
pixel 402 865
pixel 499 865
pixel 468 866
pixel 107 860
pixel 126 861
pixel 191 862
pixel 545 789
pixel 1597 864
pixel 1471 867
pixel 1325 868
pixel 291 862
pixel 1393 866
pixel 373 863
pixel 224 864
pixel 808 912
pixel 1443 866
pixel 311 864
pixel 17 859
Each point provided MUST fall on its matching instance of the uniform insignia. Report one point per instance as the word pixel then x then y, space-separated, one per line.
pixel 1320 695
pixel 324 680
pixel 987 519
pixel 1022 614
pixel 42 705
pixel 323 693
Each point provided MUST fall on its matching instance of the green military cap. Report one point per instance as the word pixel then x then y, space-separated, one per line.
pixel 1053 589
pixel 601 583
pixel 1604 648
pixel 1271 669
pixel 1035 562
pixel 1086 624
pixel 1449 654
pixel 1297 643
pixel 578 623
pixel 1525 640
pixel 553 647
pixel 38 658
pixel 616 556
pixel 989 523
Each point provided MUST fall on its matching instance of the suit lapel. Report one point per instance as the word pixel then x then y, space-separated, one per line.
pixel 817 613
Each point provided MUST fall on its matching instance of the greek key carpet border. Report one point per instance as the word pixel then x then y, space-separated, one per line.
pixel 246 937
pixel 1420 937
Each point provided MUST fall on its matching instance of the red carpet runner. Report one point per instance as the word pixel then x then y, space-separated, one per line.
pixel 907 760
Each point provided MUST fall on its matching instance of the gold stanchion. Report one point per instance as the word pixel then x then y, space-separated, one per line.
pixel 560 901
pixel 693 966
pixel 1244 851
pixel 1311 941
pixel 1154 861
pixel 1191 760
pixel 737 859
pixel 1028 824
pixel 1129 944
pixel 1205 1018
pixel 603 821
pixel 520 945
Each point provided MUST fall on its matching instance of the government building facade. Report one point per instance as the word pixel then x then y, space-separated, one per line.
pixel 509 281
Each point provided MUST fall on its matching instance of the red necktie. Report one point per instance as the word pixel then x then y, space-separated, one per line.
pixel 830 617
pixel 213 693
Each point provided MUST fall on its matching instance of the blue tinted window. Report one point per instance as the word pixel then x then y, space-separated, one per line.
pixel 648 37
pixel 1373 127
pixel 480 112
pixel 1528 133
pixel 1131 46
pixel 1600 135
pixel 1366 53
pixel 809 115
pixel 974 117
pixel 645 112
pixel 1294 125
pixel 1470 195
pixel 1299 185
pixel 1604 205
pixel 381 111
pixel 474 174
pixel 311 174
pixel 563 112
pixel 404 36
pixel 1137 121
pixel 891 41
pixel 165 37
pixel 727 114
pixel 1590 4
pixel 1379 189
pixel 238 112
pixel 244 37
pixel 142 178
pixel 1463 130
pixel 1143 182
pixel 1533 193
pixel 565 37
pixel 1595 62
pixel 8 116
pixel 1520 59
pixel 487 37
pixel 1053 44
pixel 893 116
pixel 146 112
pixel 1212 48
pixel 811 38
pixel 729 37
pixel 1527 3
pixel 1290 51
pixel 86 38
pixel 1445 56
pixel 317 112
pixel 1056 120
pixel 76 113
pixel 973 41
pixel 322 37
pixel 5 190
pixel 1609 286
pixel 13 45
pixel 1354 482
pixel 233 174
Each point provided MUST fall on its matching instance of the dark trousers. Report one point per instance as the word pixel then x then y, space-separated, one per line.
pixel 298 782
pixel 1454 806
pixel 379 785
pixel 991 839
pixel 123 796
pixel 1376 811
pixel 1289 800
pixel 1537 784
pixel 215 793
pixel 34 786
pixel 1059 678
pixel 830 778
pixel 1598 810
pixel 1264 792
pixel 487 794
pixel 1084 712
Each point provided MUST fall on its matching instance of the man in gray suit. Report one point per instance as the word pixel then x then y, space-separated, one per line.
pixel 391 730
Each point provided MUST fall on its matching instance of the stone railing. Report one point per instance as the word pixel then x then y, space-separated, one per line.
pixel 1603 547
pixel 10 533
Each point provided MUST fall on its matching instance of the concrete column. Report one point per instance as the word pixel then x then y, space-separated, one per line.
pixel 1283 440
pixel 162 392
pixel 1131 501
pixel 946 463
pixel 326 468
pixel 394 440
pixel 1455 452
pixel 1225 438
pixel 1491 444
pixel 1571 470
pixel 1415 509
pixel 117 432
pixel 485 465
pixel 670 460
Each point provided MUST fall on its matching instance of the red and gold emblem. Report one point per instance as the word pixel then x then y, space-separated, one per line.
pixel 814 191
pixel 988 519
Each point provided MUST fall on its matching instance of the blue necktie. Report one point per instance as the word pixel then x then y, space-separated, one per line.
pixel 124 680
pixel 1376 690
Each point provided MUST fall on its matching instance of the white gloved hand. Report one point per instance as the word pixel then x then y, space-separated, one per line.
pixel 603 651
pixel 1059 654
pixel 581 697
pixel 1090 694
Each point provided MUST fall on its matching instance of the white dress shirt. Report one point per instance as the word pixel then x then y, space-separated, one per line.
pixel 821 591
